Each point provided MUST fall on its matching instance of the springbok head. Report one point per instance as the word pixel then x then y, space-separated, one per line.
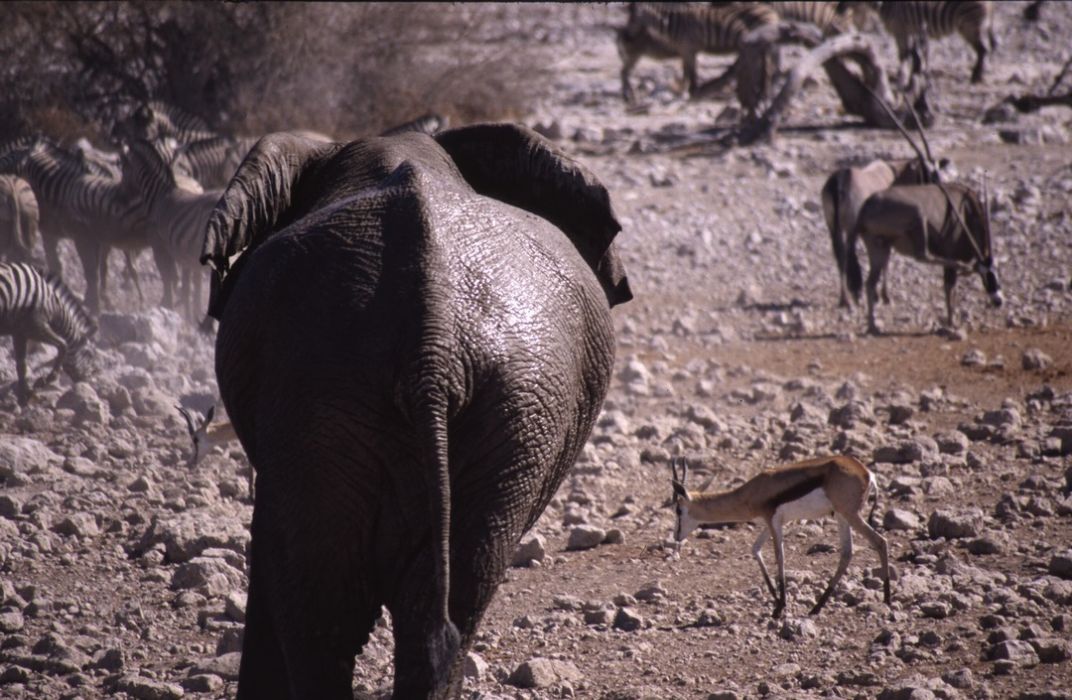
pixel 197 427
pixel 684 523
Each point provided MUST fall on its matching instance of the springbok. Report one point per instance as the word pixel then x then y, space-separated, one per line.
pixel 203 435
pixel 934 223
pixel 813 488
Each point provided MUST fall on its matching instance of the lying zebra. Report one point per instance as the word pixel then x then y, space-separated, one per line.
pixel 36 305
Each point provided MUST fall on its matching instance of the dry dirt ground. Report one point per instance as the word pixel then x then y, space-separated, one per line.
pixel 123 568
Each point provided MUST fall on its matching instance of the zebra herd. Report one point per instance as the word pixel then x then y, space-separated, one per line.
pixel 149 194
pixel 682 30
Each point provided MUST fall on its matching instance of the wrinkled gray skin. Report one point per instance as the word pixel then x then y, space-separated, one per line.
pixel 412 365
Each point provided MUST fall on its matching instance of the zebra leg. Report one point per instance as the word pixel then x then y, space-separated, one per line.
pixel 949 280
pixel 132 275
pixel 48 336
pixel 52 255
pixel 980 58
pixel 628 62
pixel 168 274
pixel 90 253
pixel 688 65
pixel 22 387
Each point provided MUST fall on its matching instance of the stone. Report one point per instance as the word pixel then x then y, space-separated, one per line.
pixel 1061 564
pixel 628 620
pixel 952 442
pixel 87 406
pixel 1034 360
pixel 234 606
pixel 955 525
pixel 225 666
pixel 585 537
pixel 1017 651
pixel 909 691
pixel 11 621
pixel 474 666
pixel 973 358
pixel 188 534
pixel 203 683
pixel 148 689
pixel 211 576
pixel 1052 650
pixel 850 414
pixel 531 548
pixel 899 519
pixel 157 325
pixel 541 672
pixel 77 525
pixel 22 456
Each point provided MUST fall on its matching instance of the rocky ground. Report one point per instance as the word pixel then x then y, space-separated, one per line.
pixel 123 567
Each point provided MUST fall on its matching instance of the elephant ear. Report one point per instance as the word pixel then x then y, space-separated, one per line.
pixel 518 166
pixel 260 199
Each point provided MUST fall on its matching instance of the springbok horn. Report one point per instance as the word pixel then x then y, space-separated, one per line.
pixel 189 419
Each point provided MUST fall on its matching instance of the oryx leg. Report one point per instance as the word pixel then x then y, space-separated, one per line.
pixel 878 255
pixel 949 280
pixel 843 563
pixel 757 552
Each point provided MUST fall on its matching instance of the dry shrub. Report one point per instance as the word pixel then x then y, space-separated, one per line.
pixel 250 68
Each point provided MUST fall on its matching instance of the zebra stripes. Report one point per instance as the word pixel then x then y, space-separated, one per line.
pixel 156 119
pixel 176 220
pixel 89 209
pixel 19 219
pixel 972 19
pixel 831 17
pixel 212 161
pixel 36 305
pixel 669 30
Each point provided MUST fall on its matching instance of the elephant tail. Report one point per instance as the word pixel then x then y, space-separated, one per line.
pixel 444 640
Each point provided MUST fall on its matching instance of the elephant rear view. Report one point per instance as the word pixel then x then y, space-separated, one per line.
pixel 413 346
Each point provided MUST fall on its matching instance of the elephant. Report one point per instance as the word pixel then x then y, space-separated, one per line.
pixel 414 343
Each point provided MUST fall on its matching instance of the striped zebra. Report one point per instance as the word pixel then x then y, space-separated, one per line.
pixel 94 160
pixel 89 209
pixel 36 305
pixel 670 30
pixel 831 17
pixel 214 160
pixel 156 119
pixel 19 219
pixel 910 23
pixel 176 220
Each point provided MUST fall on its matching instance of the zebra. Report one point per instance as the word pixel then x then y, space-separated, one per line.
pixel 831 17
pixel 669 30
pixel 37 305
pixel 91 210
pixel 19 218
pixel 176 219
pixel 212 161
pixel 96 161
pixel 913 22
pixel 155 119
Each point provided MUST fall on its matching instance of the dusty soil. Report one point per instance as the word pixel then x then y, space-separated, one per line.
pixel 123 568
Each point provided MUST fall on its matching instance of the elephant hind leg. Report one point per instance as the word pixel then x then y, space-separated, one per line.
pixel 262 672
